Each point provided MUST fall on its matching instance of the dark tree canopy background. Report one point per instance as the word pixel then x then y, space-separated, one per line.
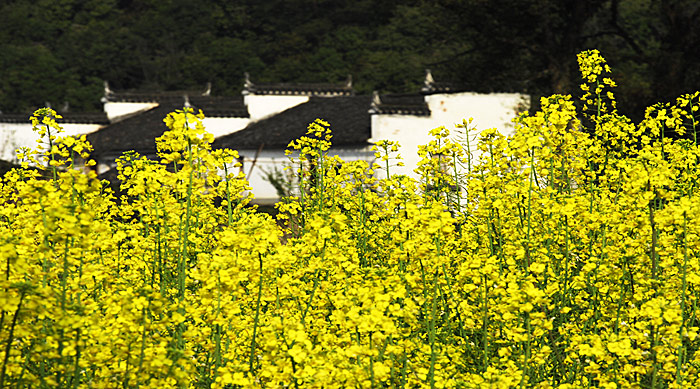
pixel 61 50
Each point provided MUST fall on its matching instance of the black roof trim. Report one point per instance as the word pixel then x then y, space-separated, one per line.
pixel 68 117
pixel 15 118
pixel 443 87
pixel 348 116
pixel 138 132
pixel 213 106
pixel 297 89
pixel 431 87
pixel 134 96
pixel 219 106
pixel 145 97
pixel 399 104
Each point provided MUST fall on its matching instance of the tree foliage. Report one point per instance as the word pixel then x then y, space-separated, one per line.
pixel 495 45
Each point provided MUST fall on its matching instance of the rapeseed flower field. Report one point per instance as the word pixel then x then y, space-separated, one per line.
pixel 566 256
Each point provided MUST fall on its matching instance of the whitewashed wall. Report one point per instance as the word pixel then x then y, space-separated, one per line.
pixel 12 137
pixel 16 135
pixel 262 106
pixel 488 110
pixel 119 110
pixel 224 126
pixel 268 160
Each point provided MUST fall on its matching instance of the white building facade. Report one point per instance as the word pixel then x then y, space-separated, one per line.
pixel 16 132
pixel 411 129
pixel 266 117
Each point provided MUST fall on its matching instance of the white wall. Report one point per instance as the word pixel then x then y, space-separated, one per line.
pixel 269 160
pixel 118 110
pixel 263 191
pixel 16 135
pixel 410 131
pixel 224 126
pixel 79 128
pixel 262 106
pixel 488 110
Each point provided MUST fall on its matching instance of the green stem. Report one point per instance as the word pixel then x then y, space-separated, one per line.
pixel 681 349
pixel 386 152
pixel 654 357
pixel 457 187
pixel 228 196
pixel 371 362
pixel 143 343
pixel 529 210
pixel 53 168
pixel 182 266
pixel 319 178
pixel 431 334
pixel 257 318
pixel 485 324
pixel 10 337
pixel 654 239
pixel 459 316
pixel 469 151
pixel 76 366
pixel 695 130
pixel 313 292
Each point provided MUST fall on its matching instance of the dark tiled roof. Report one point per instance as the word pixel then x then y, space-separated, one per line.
pixel 220 106
pixel 141 97
pixel 137 132
pixel 213 106
pixel 6 166
pixel 68 117
pixel 399 104
pixel 15 118
pixel 86 118
pixel 431 87
pixel 443 87
pixel 326 90
pixel 348 116
pixel 299 90
pixel 135 96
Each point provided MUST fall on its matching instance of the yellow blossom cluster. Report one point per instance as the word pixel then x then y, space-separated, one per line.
pixel 565 256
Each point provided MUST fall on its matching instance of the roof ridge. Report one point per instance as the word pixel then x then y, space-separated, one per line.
pixel 153 96
pixel 399 104
pixel 298 88
pixel 96 117
pixel 430 86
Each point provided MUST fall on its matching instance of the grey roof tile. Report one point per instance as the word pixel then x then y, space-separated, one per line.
pixel 348 117
pixel 298 89
pixel 137 132
pixel 68 117
pixel 399 104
